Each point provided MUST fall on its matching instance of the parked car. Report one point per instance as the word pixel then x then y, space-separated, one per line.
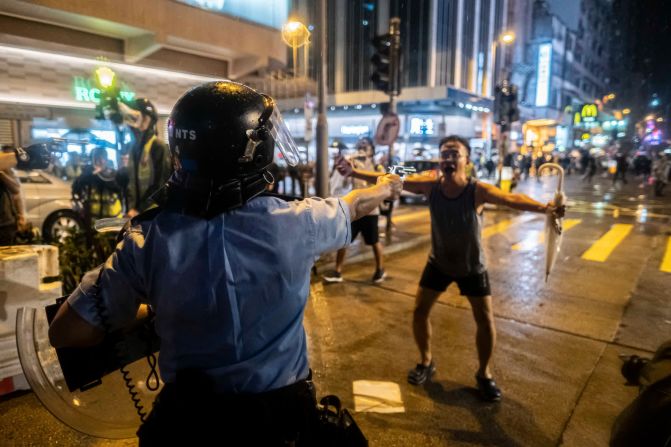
pixel 423 167
pixel 48 202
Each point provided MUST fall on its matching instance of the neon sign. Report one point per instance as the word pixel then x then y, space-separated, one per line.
pixel 544 74
pixel 589 112
pixel 84 91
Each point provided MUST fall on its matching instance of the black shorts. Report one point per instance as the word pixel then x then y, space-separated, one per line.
pixel 367 226
pixel 473 285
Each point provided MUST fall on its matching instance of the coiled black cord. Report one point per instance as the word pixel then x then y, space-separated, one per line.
pixel 120 349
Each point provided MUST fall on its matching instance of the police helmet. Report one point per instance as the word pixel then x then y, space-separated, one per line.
pixel 223 134
pixel 144 106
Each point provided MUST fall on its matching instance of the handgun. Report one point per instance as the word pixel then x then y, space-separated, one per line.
pixel 402 171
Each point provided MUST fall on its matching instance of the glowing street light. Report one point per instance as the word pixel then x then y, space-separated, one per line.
pixel 626 111
pixel 296 34
pixel 507 37
pixel 105 77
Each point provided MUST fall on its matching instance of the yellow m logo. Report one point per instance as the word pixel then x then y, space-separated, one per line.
pixel 589 111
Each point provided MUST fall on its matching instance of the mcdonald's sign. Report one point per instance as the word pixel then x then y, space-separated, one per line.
pixel 589 111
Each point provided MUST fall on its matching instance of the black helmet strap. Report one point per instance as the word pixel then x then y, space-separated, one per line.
pixel 206 199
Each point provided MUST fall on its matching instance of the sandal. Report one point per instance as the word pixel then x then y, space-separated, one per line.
pixel 421 373
pixel 489 392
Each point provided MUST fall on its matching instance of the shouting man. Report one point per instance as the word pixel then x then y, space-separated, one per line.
pixel 456 202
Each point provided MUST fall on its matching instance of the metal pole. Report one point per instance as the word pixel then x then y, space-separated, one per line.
pixel 322 184
pixel 394 90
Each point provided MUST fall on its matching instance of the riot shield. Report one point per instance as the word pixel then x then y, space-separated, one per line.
pixel 97 406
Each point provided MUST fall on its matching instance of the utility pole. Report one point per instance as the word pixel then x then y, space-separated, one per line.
pixel 394 75
pixel 322 168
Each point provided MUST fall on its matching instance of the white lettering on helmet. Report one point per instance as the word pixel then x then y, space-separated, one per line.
pixel 182 134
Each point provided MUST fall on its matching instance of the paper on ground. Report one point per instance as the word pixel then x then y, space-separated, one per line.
pixel 377 397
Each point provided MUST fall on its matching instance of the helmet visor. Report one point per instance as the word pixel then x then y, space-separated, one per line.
pixel 283 139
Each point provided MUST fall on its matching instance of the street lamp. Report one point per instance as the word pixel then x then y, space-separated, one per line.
pixel 105 77
pixel 296 35
pixel 507 37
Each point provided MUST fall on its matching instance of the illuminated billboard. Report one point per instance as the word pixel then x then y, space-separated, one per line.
pixel 272 13
pixel 544 74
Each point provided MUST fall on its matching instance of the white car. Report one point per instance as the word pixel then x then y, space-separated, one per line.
pixel 48 202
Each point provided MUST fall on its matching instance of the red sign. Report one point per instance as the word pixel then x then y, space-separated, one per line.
pixel 387 130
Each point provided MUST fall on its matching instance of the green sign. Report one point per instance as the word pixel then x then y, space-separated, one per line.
pixel 85 91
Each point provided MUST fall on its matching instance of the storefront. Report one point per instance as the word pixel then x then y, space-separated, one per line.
pixel 45 95
pixel 418 137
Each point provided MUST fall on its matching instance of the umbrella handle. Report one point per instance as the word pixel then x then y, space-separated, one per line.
pixel 555 166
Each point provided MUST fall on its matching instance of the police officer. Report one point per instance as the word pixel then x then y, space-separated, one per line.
pixel 226 269
pixel 148 160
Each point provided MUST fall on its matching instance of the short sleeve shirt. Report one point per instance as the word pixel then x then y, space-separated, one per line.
pixel 228 292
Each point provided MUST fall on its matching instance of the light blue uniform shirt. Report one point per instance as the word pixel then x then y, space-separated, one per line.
pixel 228 293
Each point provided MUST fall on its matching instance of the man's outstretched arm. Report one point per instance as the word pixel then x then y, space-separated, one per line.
pixel 522 202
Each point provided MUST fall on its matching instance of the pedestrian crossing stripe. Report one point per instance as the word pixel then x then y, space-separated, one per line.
pixel 666 262
pixel 601 249
pixel 536 238
pixel 504 225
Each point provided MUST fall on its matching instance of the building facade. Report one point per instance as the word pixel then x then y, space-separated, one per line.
pixel 559 68
pixel 448 69
pixel 49 50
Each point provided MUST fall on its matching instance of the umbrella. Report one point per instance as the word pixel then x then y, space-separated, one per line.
pixel 553 224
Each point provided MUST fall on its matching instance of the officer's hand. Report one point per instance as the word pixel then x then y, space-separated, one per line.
pixel 344 166
pixel 395 183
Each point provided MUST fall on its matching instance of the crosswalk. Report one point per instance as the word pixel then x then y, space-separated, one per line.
pixel 537 238
pixel 602 248
pixel 599 251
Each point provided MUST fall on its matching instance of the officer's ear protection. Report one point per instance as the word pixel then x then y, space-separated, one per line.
pixel 260 133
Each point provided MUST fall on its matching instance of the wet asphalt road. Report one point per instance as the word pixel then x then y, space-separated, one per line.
pixel 558 342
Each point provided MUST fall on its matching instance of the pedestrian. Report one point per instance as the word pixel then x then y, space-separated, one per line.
pixel 226 270
pixel 148 161
pixel 490 166
pixel 97 191
pixel 621 166
pixel 367 225
pixel 73 167
pixel 456 203
pixel 12 207
pixel 661 172
pixel 589 162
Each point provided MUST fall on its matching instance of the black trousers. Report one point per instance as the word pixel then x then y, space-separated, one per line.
pixel 188 412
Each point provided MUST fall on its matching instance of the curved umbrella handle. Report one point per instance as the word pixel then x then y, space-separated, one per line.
pixel 555 166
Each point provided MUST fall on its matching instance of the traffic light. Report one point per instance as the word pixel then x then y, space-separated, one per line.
pixel 381 62
pixel 506 109
pixel 387 63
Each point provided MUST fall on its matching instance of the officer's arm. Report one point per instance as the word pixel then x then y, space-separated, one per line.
pixel 362 201
pixel 418 184
pixel 71 330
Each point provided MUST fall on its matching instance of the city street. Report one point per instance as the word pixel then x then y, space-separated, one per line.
pixel 558 342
